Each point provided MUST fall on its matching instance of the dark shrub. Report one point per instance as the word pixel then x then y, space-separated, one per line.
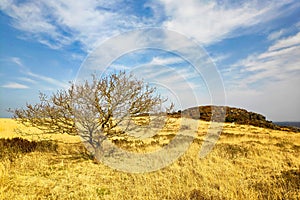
pixel 12 148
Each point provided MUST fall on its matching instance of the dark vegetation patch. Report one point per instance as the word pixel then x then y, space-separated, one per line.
pixel 288 180
pixel 12 148
pixel 253 142
pixel 198 141
pixel 296 147
pixel 291 178
pixel 164 137
pixel 197 194
pixel 227 134
pixel 284 144
pixel 131 145
pixel 233 151
pixel 287 146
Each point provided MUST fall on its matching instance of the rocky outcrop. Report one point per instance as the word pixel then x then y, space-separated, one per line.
pixel 228 114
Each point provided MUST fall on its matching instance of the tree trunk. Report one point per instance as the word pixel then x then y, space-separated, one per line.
pixel 99 150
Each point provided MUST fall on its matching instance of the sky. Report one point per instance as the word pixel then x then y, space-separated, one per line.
pixel 243 54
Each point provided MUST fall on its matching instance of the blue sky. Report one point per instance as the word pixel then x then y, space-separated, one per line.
pixel 254 45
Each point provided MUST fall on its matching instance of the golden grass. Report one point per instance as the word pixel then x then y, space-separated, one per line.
pixel 10 128
pixel 247 163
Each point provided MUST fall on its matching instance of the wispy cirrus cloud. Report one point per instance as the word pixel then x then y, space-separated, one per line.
pixel 211 21
pixel 268 78
pixel 34 77
pixel 286 42
pixel 218 58
pixel 14 85
pixel 58 23
pixel 277 34
pixel 17 61
pixel 165 60
pixel 47 80
pixel 28 80
pixel 279 62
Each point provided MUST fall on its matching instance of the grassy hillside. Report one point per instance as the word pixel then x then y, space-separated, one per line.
pixel 247 163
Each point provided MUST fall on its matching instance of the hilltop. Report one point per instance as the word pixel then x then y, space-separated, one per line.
pixel 233 115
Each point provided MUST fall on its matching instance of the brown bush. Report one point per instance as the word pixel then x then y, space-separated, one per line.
pixel 12 148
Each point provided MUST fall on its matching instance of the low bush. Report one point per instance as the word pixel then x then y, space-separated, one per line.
pixel 12 148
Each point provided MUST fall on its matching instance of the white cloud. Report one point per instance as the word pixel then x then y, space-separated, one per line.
pixel 286 42
pixel 57 23
pixel 168 69
pixel 48 80
pixel 45 79
pixel 17 61
pixel 14 85
pixel 165 61
pixel 277 34
pixel 280 61
pixel 268 81
pixel 32 18
pixel 182 84
pixel 209 21
pixel 27 80
pixel 219 57
pixel 117 67
pixel 276 100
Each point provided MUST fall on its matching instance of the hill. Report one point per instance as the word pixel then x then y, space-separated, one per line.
pixel 247 162
pixel 233 115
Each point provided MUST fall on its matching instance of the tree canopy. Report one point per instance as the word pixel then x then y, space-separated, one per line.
pixel 93 109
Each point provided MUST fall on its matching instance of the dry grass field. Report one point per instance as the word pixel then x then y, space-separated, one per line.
pixel 247 163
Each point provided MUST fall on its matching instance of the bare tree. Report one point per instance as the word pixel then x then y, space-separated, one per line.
pixel 94 110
